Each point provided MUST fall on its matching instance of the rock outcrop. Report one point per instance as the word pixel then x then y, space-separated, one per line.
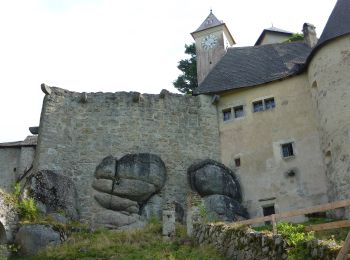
pixel 127 188
pixel 56 191
pixel 219 189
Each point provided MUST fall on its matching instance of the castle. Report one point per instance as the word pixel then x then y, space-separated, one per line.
pixel 276 113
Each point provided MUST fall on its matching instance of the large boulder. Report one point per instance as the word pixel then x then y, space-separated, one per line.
pixel 32 238
pixel 144 167
pixel 56 191
pixel 224 208
pixel 135 177
pixel 209 177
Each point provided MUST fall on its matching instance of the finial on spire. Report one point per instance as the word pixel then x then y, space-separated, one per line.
pixel 211 10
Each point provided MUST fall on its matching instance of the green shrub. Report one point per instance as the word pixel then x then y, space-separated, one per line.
pixel 28 209
pixel 17 190
pixel 296 238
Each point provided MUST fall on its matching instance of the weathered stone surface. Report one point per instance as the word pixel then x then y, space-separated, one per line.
pixel 8 218
pixel 56 191
pixel 143 166
pixel 103 185
pixel 114 219
pixel 32 238
pixel 106 169
pixel 153 208
pixel 58 218
pixel 134 189
pixel 209 177
pixel 224 207
pixel 117 203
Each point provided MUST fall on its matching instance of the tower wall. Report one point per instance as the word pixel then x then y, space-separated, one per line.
pixel 330 87
pixel 207 59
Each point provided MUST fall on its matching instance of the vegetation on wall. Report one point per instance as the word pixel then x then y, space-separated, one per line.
pixel 295 37
pixel 187 81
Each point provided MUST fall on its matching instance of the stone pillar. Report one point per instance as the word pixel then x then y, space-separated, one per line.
pixel 169 222
pixel 193 199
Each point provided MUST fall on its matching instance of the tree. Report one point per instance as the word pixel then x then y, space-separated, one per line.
pixel 187 82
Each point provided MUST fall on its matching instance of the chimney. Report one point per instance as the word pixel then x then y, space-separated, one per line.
pixel 310 36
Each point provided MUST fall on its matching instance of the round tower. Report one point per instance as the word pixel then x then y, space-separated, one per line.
pixel 329 77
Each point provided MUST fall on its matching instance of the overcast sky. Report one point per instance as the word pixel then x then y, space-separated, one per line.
pixel 109 46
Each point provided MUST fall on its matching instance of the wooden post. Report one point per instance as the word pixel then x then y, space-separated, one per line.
pixel 274 225
pixel 343 253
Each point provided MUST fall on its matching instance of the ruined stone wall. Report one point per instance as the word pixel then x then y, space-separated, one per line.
pixel 8 167
pixel 329 83
pixel 239 242
pixel 78 130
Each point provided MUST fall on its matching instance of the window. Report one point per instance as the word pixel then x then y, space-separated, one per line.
pixel 269 103
pixel 267 211
pixel 227 114
pixel 287 150
pixel 266 104
pixel 238 111
pixel 258 106
pixel 238 162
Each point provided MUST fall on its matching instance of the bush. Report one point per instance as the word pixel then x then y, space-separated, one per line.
pixel 296 238
pixel 28 209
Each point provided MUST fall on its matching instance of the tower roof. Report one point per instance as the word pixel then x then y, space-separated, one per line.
pixel 210 21
pixel 338 23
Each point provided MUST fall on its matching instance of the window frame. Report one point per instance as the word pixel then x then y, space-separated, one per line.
pixel 290 145
pixel 228 111
pixel 262 104
pixel 236 108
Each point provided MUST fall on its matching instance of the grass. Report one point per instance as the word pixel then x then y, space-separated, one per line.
pixel 147 243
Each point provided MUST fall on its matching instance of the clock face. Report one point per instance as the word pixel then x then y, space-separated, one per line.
pixel 209 41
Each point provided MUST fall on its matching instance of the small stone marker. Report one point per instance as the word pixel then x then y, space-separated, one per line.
pixel 169 223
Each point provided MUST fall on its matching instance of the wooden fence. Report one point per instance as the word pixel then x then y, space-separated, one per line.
pixel 320 208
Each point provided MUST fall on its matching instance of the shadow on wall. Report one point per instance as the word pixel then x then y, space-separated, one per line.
pixel 3 239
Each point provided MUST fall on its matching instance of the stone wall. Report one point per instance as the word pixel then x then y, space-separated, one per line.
pixel 244 243
pixel 8 167
pixel 8 218
pixel 78 130
pixel 240 242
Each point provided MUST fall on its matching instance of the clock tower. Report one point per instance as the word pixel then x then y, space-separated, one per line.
pixel 212 38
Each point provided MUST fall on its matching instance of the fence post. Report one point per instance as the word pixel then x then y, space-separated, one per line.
pixel 274 226
pixel 343 253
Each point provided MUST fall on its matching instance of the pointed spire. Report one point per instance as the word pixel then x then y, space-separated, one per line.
pixel 338 23
pixel 210 21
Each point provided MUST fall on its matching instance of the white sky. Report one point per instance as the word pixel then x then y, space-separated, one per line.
pixel 109 46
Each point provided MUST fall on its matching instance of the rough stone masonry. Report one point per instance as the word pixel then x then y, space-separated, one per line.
pixel 78 130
